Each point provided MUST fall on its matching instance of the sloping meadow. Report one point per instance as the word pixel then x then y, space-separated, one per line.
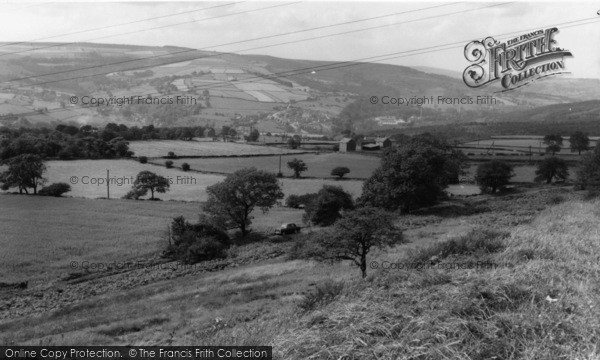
pixel 533 293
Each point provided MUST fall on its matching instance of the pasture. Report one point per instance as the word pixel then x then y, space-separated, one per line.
pixel 319 165
pixel 516 145
pixel 159 148
pixel 88 180
pixel 42 235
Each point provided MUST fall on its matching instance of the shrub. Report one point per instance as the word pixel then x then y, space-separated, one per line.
pixel 56 189
pixel 143 159
pixel 325 293
pixel 297 201
pixel 135 193
pixel 185 167
pixel 482 240
pixel 169 164
pixel 171 155
pixel 192 243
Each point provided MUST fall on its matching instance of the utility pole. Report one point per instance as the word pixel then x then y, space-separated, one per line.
pixel 107 184
pixel 279 164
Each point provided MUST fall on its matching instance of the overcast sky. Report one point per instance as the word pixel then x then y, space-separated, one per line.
pixel 57 21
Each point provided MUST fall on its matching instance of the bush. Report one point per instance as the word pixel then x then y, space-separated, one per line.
pixel 483 240
pixel 135 193
pixel 171 155
pixel 143 159
pixel 56 189
pixel 185 167
pixel 192 243
pixel 324 294
pixel 169 164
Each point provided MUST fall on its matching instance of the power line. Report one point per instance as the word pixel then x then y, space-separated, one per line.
pixel 105 27
pixel 236 42
pixel 368 60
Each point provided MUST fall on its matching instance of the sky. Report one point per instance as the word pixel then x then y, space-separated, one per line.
pixel 438 30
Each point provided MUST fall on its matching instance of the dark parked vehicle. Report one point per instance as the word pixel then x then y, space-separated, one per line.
pixel 286 229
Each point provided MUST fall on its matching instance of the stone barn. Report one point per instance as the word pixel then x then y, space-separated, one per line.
pixel 347 144
pixel 383 142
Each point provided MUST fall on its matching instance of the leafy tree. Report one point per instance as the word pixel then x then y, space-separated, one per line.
pixel 493 175
pixel 24 171
pixel 413 174
pixel 554 142
pixel 298 166
pixel 185 167
pixel 357 232
pixel 579 142
pixel 254 135
pixel 236 197
pixel 143 159
pixel 340 171
pixel 147 180
pixel 588 176
pixel 552 168
pixel 325 208
pixel 55 189
pixel 294 142
pixel 169 164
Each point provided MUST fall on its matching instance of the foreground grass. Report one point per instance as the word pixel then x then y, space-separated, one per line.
pixel 541 302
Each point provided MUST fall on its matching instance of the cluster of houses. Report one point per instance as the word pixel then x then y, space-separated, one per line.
pixel 366 144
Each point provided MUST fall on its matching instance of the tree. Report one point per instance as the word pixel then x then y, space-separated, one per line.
pixel 24 171
pixel 413 174
pixel 294 142
pixel 298 166
pixel 254 135
pixel 357 232
pixel 554 142
pixel 579 142
pixel 236 197
pixel 169 164
pixel 324 209
pixel 191 243
pixel 493 175
pixel 340 171
pixel 552 168
pixel 147 180
pixel 185 167
pixel 588 176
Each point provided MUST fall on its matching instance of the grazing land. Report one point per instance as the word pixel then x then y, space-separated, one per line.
pixel 319 165
pixel 160 148
pixel 88 180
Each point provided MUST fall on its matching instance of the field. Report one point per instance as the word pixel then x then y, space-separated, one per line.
pixel 516 144
pixel 319 165
pixel 96 230
pixel 88 180
pixel 158 148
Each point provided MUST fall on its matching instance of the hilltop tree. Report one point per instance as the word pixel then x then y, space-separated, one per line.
pixel 579 142
pixel 554 142
pixel 24 171
pixel 357 232
pixel 340 171
pixel 552 168
pixel 298 166
pixel 413 174
pixel 493 175
pixel 235 198
pixel 148 181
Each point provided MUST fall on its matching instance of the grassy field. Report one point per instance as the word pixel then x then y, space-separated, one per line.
pixel 69 229
pixel 319 165
pixel 88 180
pixel 158 148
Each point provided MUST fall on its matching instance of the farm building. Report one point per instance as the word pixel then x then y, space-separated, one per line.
pixel 347 144
pixel 383 142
